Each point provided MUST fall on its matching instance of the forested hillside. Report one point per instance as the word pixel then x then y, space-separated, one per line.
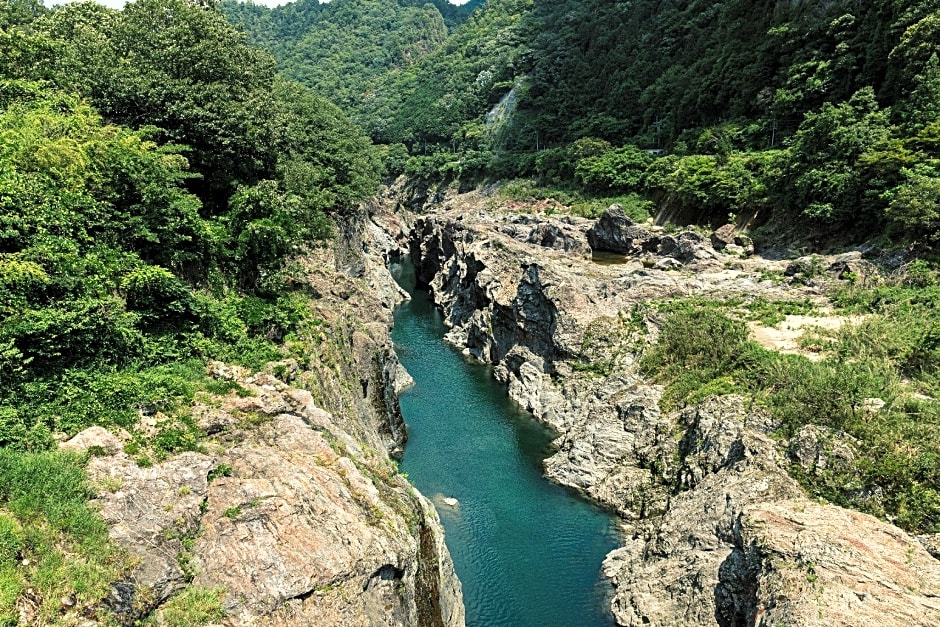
pixel 814 125
pixel 822 113
pixel 351 52
pixel 156 178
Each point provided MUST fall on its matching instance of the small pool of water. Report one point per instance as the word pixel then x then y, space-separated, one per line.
pixel 527 551
pixel 604 258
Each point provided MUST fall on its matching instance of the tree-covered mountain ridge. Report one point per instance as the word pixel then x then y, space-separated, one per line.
pixel 824 114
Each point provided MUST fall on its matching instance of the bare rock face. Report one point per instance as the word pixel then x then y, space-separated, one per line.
pixel 300 523
pixel 301 533
pixel 686 247
pixel 293 507
pixel 812 564
pixel 669 572
pixel 706 488
pixel 150 510
pixel 820 448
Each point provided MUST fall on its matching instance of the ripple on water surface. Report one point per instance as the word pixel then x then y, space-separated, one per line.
pixel 527 552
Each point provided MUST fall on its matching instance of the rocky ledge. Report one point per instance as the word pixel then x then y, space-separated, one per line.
pixel 292 510
pixel 720 533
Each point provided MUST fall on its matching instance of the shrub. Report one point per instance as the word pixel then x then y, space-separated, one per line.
pixel 697 344
pixel 621 169
pixel 702 351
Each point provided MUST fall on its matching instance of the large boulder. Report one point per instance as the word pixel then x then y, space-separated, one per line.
pixel 96 439
pixel 149 510
pixel 548 235
pixel 615 232
pixel 685 247
pixel 723 236
pixel 852 266
pixel 745 243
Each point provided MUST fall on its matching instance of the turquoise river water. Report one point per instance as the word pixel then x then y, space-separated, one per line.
pixel 528 552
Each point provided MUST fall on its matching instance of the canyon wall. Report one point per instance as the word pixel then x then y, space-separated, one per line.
pixel 291 509
pixel 719 533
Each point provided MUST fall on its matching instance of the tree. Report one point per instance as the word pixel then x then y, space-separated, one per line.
pixel 914 206
pixel 178 66
pixel 823 180
pixel 922 107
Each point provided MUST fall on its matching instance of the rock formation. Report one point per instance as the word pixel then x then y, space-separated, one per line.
pixel 721 533
pixel 292 508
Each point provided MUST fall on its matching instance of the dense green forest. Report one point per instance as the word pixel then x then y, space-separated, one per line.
pixel 823 115
pixel 157 177
pixel 353 52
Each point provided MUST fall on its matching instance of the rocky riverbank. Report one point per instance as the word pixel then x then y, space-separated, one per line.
pixel 720 531
pixel 293 512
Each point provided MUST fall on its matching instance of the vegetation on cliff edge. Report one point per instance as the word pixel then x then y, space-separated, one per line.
pixel 157 179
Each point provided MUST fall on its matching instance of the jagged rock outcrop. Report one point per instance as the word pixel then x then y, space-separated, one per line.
pixel 292 508
pixel 706 488
pixel 813 564
pixel 615 232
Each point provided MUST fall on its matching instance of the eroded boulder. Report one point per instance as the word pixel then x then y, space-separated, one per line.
pixel 615 232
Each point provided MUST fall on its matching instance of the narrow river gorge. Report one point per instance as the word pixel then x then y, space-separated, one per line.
pixel 528 552
pixel 522 330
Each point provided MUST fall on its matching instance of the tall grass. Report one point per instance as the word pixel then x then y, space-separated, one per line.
pixel 52 543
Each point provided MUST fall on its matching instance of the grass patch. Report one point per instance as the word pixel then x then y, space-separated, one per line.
pixel 81 398
pixel 51 542
pixel 772 313
pixel 193 607
pixel 578 202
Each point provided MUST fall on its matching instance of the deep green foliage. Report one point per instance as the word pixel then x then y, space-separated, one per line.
pixel 341 49
pixel 445 96
pixel 180 67
pixel 126 259
pixel 824 173
pixel 810 116
pixel 697 345
pixel 620 169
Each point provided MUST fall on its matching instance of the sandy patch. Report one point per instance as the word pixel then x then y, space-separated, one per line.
pixel 785 337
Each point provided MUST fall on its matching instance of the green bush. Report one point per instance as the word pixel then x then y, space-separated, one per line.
pixel 394 158
pixel 716 184
pixel 635 207
pixel 621 169
pixel 697 344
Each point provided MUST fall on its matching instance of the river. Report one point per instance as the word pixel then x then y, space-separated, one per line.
pixel 527 551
